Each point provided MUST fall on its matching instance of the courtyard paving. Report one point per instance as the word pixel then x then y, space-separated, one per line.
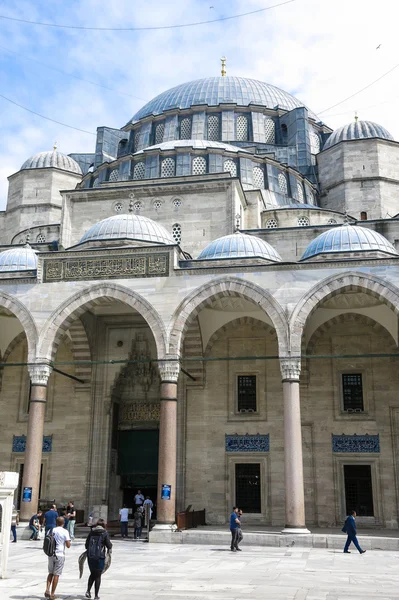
pixel 148 571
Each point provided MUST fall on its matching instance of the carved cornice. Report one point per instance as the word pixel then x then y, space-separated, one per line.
pixel 169 370
pixel 39 374
pixel 290 369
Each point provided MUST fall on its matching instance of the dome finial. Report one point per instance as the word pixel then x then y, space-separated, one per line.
pixel 55 146
pixel 238 223
pixel 356 117
pixel 223 61
pixel 131 203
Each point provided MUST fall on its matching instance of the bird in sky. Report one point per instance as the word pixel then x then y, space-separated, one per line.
pixel 378 47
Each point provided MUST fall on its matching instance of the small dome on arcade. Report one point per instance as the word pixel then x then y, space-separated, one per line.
pixel 128 226
pixel 348 238
pixel 357 130
pixel 239 245
pixel 18 259
pixel 54 159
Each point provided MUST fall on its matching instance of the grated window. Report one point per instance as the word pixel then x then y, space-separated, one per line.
pixel 270 131
pixel 271 224
pixel 139 171
pixel 41 238
pixel 246 393
pixel 96 183
pixel 314 142
pixel 213 128
pixel 138 206
pixel 176 233
pixel 168 167
pixel 185 129
pixel 331 221
pixel 159 132
pixel 352 392
pixel 242 128
pixel 230 166
pixel 199 165
pixel 310 197
pixel 300 192
pixel 258 178
pixel 282 183
pixel 137 138
pixel 157 204
pixel 303 222
pixel 118 207
pixel 176 202
pixel 113 176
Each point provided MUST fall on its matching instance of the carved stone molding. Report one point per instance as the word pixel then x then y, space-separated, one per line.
pixel 134 412
pixel 39 374
pixel 290 369
pixel 169 370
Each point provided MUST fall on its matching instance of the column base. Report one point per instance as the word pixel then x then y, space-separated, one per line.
pixel 296 530
pixel 164 533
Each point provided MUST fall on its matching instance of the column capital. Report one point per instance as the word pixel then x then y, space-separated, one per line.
pixel 169 370
pixel 290 368
pixel 39 374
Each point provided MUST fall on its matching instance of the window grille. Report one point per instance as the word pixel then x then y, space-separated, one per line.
pixel 167 167
pixel 242 128
pixel 310 197
pixel 139 171
pixel 246 393
pixel 138 206
pixel 303 222
pixel 271 224
pixel 137 139
pixel 300 192
pixel 282 183
pixel 177 202
pixel 314 143
pixel 114 175
pixel 248 487
pixel 185 129
pixel 359 490
pixel 157 204
pixel 118 207
pixel 41 238
pixel 230 167
pixel 159 133
pixel 258 178
pixel 213 128
pixel 96 183
pixel 176 233
pixel 199 165
pixel 270 131
pixel 331 222
pixel 352 392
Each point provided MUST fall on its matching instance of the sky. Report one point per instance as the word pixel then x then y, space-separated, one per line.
pixel 321 51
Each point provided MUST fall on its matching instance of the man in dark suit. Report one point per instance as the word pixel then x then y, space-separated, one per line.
pixel 350 529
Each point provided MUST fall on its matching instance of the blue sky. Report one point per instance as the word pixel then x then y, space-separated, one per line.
pixel 319 50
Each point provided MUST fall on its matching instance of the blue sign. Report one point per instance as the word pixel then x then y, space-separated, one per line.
pixel 27 494
pixel 166 492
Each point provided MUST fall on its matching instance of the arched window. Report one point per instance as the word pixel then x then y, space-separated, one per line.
pixel 159 132
pixel 242 128
pixel 137 138
pixel 213 128
pixel 176 233
pixel 199 165
pixel 113 176
pixel 258 178
pixel 96 182
pixel 168 167
pixel 363 216
pixel 270 131
pixel 41 238
pixel 230 166
pixel 314 142
pixel 282 183
pixel 303 222
pixel 271 224
pixel 300 192
pixel 139 170
pixel 185 129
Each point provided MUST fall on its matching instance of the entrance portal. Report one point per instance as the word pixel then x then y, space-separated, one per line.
pixel 359 490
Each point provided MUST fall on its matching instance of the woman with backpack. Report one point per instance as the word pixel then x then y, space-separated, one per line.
pixel 96 544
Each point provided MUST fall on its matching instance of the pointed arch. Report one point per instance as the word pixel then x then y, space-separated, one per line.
pixel 19 310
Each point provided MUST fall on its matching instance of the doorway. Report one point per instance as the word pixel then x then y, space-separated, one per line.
pixel 359 490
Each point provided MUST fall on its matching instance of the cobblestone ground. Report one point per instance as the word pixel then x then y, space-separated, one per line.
pixel 148 571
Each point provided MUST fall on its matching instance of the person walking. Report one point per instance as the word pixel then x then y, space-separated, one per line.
pixel 56 562
pixel 34 525
pixel 14 524
pixel 71 516
pixel 50 519
pixel 234 529
pixel 124 521
pixel 151 504
pixel 138 522
pixel 350 529
pixel 138 499
pixel 96 544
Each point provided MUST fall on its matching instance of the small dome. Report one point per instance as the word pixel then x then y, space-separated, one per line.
pixel 239 245
pixel 348 238
pixel 18 259
pixel 193 144
pixel 53 158
pixel 357 130
pixel 130 226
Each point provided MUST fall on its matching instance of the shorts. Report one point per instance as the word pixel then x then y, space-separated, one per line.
pixel 55 565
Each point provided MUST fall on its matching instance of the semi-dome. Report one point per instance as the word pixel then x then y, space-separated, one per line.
pixel 53 158
pixel 218 90
pixel 357 130
pixel 239 245
pixel 128 226
pixel 18 259
pixel 194 144
pixel 348 238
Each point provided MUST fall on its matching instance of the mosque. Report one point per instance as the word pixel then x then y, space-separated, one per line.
pixel 206 308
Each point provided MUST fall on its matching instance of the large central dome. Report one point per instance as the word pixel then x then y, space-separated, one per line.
pixel 216 90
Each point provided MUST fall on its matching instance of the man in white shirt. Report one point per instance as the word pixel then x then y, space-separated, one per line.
pixel 124 521
pixel 56 562
pixel 138 499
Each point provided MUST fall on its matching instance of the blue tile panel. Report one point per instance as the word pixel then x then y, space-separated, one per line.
pixel 19 443
pixel 348 238
pixel 18 259
pixel 247 443
pixel 218 90
pixel 239 245
pixel 357 130
pixel 355 443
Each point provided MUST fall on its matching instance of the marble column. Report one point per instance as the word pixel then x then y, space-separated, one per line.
pixel 293 463
pixel 39 375
pixel 166 501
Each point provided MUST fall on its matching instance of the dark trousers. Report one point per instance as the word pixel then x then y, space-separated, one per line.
pixel 14 532
pixel 137 532
pixel 234 538
pixel 124 530
pixel 352 538
pixel 96 567
pixel 34 532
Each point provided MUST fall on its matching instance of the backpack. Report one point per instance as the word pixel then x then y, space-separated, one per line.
pixel 49 544
pixel 96 546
